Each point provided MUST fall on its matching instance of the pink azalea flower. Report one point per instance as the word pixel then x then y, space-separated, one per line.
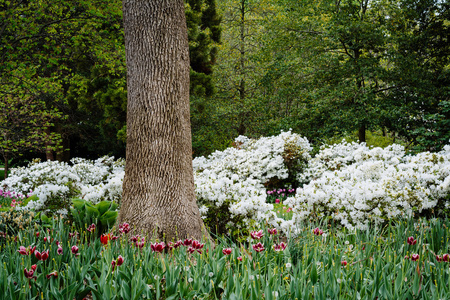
pixel 256 235
pixel 258 247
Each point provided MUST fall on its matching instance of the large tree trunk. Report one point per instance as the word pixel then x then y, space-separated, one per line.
pixel 158 188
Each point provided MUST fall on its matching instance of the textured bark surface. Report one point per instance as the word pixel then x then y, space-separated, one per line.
pixel 158 189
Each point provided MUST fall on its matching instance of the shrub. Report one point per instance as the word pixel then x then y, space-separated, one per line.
pixel 231 183
pixel 55 183
pixel 359 186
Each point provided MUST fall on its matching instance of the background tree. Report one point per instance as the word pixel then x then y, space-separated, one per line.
pixel 158 189
pixel 47 52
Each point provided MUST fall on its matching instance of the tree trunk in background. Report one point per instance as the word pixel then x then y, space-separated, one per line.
pixel 6 168
pixel 362 133
pixel 158 188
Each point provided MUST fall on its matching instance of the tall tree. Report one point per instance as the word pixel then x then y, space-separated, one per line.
pixel 158 189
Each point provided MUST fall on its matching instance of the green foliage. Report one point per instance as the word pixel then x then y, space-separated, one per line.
pixel 369 264
pixel 102 214
pixel 218 221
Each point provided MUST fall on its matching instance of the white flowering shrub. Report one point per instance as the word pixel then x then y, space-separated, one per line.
pixel 55 183
pixel 230 184
pixel 358 186
pixel 348 182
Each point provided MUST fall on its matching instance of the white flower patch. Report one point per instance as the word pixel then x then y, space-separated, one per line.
pixel 357 185
pixel 236 176
pixel 92 180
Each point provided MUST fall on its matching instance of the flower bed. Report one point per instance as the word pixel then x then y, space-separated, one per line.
pixel 409 260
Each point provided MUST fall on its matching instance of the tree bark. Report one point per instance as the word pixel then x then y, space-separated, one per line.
pixel 6 168
pixel 362 133
pixel 158 188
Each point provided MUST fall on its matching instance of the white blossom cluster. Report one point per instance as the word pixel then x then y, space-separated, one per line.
pixel 337 156
pixel 352 183
pixel 236 176
pixel 92 180
pixel 357 185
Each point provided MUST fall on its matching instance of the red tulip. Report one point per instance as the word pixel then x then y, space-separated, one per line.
pixel 120 260
pixel 279 247
pixel 28 274
pixel 317 231
pixel 414 257
pixel 74 250
pixel 158 247
pixel 411 241
pixel 258 247
pixel 91 227
pixel 124 228
pixel 256 235
pixel 239 258
pixel 41 256
pixel 344 263
pixel 26 251
pixel 104 238
pixel 54 274
pixel 226 251
pixel 272 231
pixel 446 257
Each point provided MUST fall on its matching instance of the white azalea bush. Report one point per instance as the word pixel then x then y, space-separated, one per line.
pixel 351 183
pixel 55 183
pixel 358 186
pixel 230 184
